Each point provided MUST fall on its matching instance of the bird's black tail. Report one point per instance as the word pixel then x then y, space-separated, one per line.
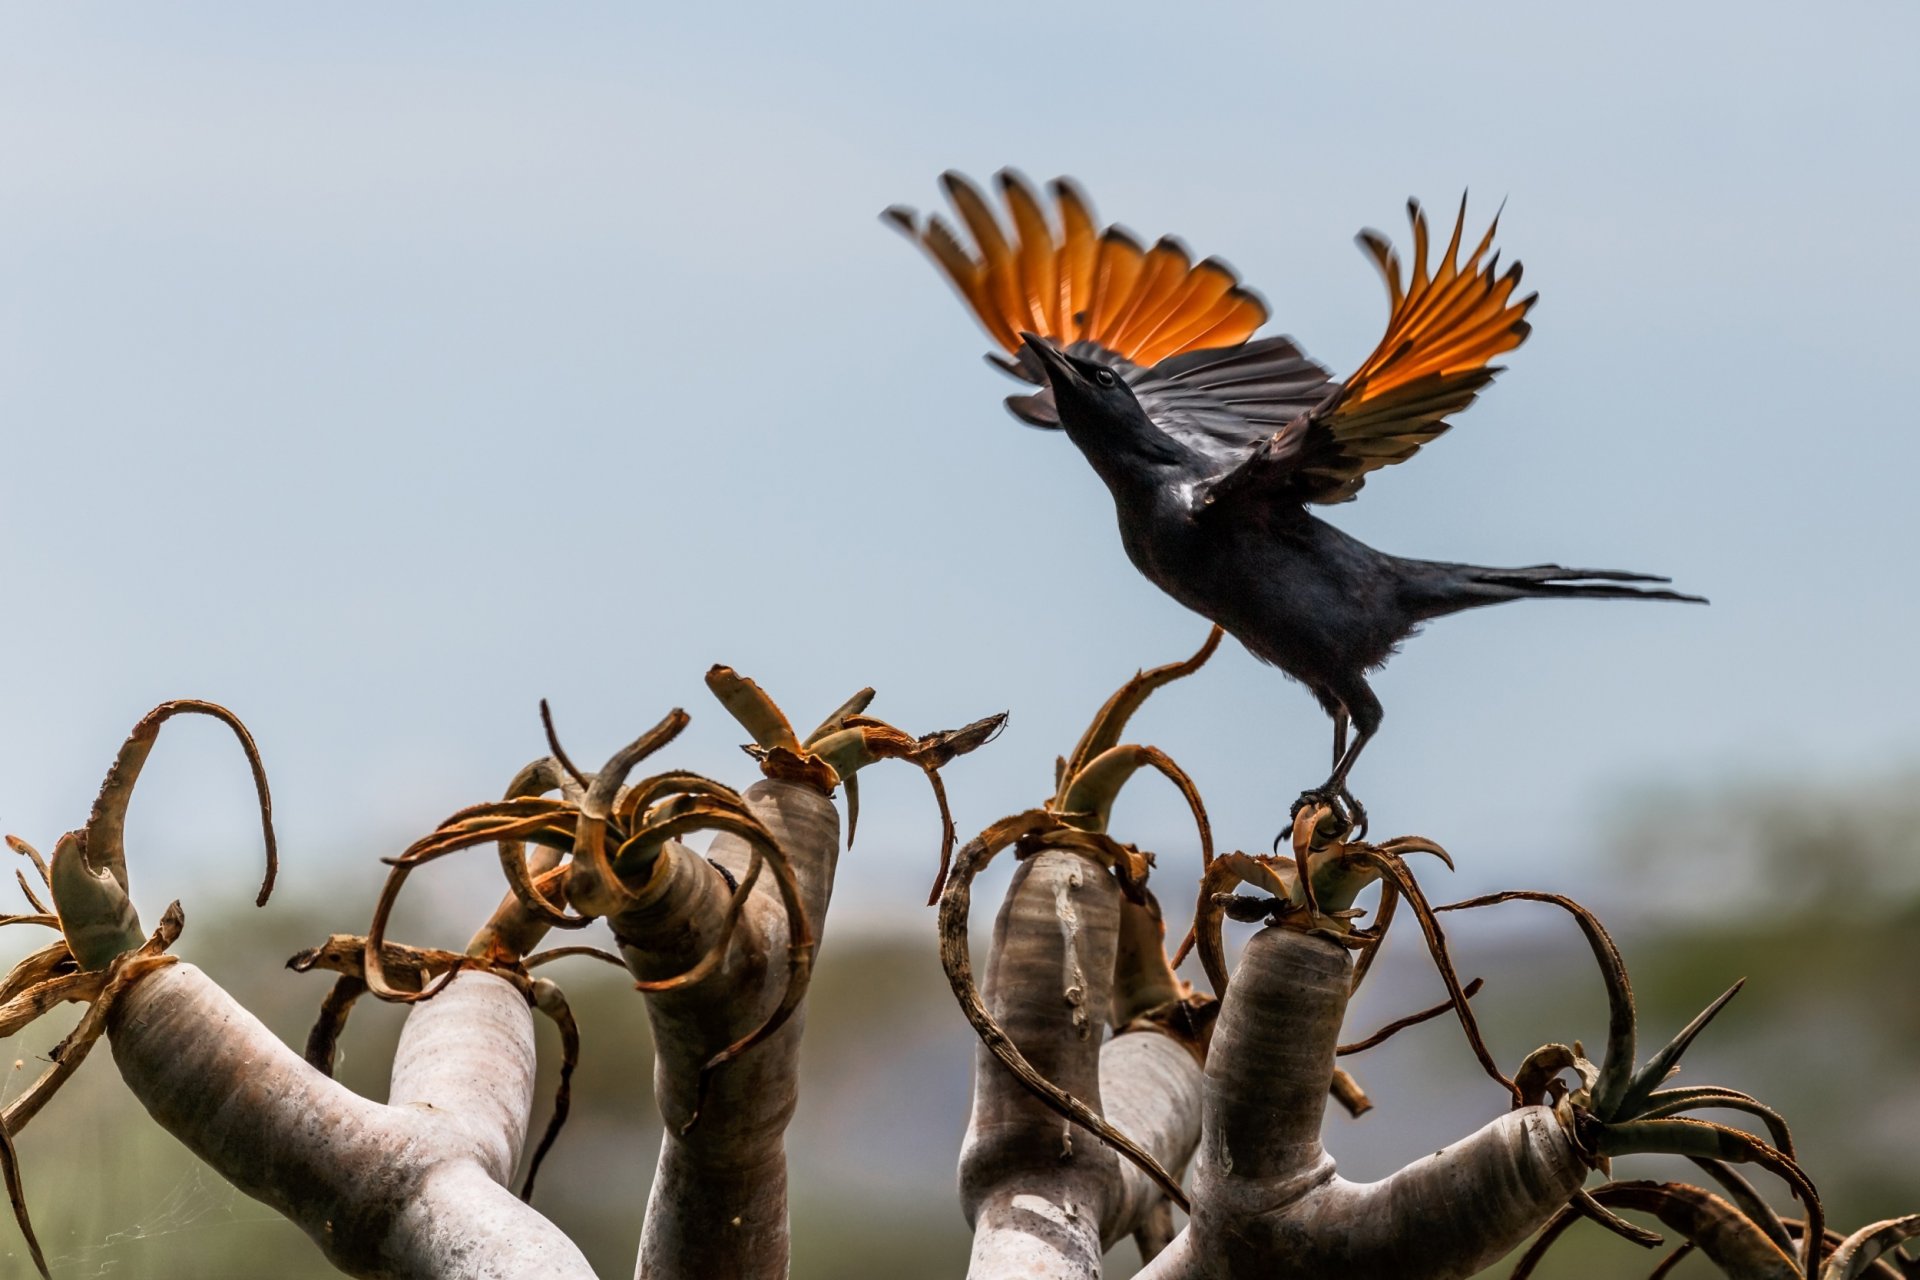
pixel 1448 588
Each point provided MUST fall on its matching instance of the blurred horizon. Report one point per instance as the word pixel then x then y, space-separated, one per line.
pixel 886 1083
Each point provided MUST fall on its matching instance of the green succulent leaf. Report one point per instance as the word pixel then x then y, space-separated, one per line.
pixel 1649 1077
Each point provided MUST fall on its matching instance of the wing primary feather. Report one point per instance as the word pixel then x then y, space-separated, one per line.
pixel 1079 247
pixel 1047 267
pixel 1174 294
pixel 1194 309
pixel 1472 332
pixel 1035 251
pixel 1459 228
pixel 1492 227
pixel 1166 265
pixel 1452 294
pixel 968 277
pixel 1455 295
pixel 1442 306
pixel 1487 338
pixel 1380 249
pixel 1449 315
pixel 1247 312
pixel 1417 283
pixel 1000 285
pixel 1451 289
pixel 963 271
pixel 1117 271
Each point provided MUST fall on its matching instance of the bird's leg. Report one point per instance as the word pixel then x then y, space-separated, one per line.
pixel 1358 700
pixel 1334 791
pixel 1354 707
pixel 1327 794
pixel 1336 786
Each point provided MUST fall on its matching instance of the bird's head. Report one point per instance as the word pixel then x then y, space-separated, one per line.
pixel 1081 387
pixel 1102 415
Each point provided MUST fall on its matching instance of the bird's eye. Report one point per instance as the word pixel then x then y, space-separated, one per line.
pixel 1105 378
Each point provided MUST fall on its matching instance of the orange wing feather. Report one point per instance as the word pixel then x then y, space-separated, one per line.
pixel 1444 328
pixel 1039 256
pixel 1166 269
pixel 1447 319
pixel 1115 274
pixel 1452 322
pixel 1050 272
pixel 1079 250
pixel 1192 311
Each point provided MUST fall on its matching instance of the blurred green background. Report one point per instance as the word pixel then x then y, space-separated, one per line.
pixel 1808 892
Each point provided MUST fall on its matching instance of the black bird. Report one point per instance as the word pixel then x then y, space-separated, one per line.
pixel 1214 445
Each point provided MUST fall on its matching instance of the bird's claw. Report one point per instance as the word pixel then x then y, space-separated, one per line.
pixel 1348 813
pixel 1356 814
pixel 1314 796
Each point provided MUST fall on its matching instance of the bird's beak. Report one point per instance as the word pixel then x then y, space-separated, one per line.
pixel 1055 364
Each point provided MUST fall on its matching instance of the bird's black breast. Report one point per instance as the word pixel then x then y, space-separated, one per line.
pixel 1297 592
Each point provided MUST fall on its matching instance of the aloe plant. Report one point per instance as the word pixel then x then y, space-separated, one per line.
pixel 1108 1091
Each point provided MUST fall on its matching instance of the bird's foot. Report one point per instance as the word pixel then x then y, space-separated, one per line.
pixel 1350 817
pixel 1313 796
pixel 1357 814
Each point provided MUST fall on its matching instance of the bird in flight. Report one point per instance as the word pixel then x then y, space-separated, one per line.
pixel 1215 443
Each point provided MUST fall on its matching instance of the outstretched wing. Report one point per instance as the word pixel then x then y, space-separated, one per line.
pixel 1098 294
pixel 1179 332
pixel 1442 330
pixel 1225 404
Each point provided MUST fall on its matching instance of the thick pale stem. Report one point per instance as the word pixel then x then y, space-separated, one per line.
pixel 492 1235
pixel 719 1204
pixel 1267 1201
pixel 466 1057
pixel 1151 1085
pixel 1044 1196
pixel 406 1190
pixel 676 917
pixel 1034 1185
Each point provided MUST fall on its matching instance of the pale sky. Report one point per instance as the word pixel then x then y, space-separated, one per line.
pixel 379 370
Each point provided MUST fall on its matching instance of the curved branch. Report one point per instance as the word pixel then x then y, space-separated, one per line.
pixel 1111 720
pixel 106 825
pixel 1617 1063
